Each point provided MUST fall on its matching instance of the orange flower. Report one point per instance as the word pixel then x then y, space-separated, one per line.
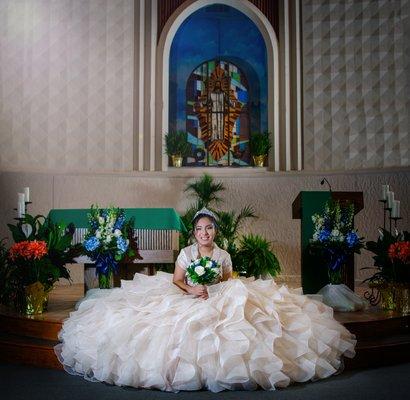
pixel 28 249
pixel 400 251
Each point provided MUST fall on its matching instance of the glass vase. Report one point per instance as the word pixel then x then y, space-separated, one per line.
pixel 105 281
pixel 335 276
pixel 401 293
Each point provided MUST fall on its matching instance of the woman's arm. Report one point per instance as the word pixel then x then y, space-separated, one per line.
pixel 179 280
pixel 227 268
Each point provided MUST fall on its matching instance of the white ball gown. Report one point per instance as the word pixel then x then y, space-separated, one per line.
pixel 247 334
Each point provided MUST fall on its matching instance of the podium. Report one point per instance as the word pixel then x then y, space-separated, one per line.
pixel 314 274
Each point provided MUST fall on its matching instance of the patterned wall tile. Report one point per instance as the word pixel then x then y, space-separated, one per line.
pixel 356 83
pixel 66 74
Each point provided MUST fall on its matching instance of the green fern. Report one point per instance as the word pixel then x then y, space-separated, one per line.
pixel 256 258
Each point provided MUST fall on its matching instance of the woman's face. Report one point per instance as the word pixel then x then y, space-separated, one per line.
pixel 204 231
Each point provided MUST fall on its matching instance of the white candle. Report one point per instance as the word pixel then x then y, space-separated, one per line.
pixel 20 197
pixel 26 194
pixel 385 189
pixel 395 211
pixel 21 210
pixel 20 205
pixel 390 199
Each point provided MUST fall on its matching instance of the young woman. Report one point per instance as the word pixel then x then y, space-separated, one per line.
pixel 204 232
pixel 164 332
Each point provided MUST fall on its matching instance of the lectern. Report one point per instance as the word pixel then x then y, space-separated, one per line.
pixel 314 272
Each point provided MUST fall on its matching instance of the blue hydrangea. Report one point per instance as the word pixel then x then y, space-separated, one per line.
pixel 324 235
pixel 122 244
pixel 352 239
pixel 91 243
pixel 120 222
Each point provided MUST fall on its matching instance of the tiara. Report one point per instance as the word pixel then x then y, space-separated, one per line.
pixel 204 211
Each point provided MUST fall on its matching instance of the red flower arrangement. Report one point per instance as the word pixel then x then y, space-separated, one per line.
pixel 400 251
pixel 28 249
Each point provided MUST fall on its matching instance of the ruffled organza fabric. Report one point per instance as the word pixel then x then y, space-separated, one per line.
pixel 248 334
pixel 342 298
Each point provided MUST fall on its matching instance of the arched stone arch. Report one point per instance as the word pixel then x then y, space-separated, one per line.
pixel 162 71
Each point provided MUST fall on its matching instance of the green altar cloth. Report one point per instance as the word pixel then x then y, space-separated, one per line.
pixel 145 218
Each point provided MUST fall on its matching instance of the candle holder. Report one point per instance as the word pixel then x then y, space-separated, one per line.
pixel 26 203
pixel 384 212
pixel 395 219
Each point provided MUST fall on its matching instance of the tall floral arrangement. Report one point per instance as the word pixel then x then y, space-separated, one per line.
pixel 334 238
pixel 109 241
pixel 37 259
pixel 391 257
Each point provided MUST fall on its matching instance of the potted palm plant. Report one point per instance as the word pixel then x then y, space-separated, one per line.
pixel 259 146
pixel 256 258
pixel 177 146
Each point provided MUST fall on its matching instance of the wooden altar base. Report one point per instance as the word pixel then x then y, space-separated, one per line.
pixel 383 337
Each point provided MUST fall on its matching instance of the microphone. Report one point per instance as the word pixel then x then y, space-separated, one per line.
pixel 328 184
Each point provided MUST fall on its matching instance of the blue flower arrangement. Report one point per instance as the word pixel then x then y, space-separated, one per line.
pixel 109 241
pixel 334 237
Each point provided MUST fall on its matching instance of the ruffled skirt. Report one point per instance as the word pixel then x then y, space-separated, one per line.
pixel 248 334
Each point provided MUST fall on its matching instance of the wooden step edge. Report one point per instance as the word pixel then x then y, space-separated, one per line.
pixel 22 326
pixel 378 356
pixel 29 353
pixel 17 340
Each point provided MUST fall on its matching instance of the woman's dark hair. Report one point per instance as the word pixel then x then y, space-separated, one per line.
pixel 204 213
pixel 198 216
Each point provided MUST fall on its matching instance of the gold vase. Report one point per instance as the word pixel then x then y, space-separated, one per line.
pixel 258 161
pixel 386 297
pixel 36 298
pixel 401 294
pixel 176 161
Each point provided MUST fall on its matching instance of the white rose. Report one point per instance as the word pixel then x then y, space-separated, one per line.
pixel 108 239
pixel 199 270
pixel 208 264
pixel 117 233
pixel 100 220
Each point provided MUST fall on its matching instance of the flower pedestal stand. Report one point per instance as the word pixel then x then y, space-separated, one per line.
pixel 341 298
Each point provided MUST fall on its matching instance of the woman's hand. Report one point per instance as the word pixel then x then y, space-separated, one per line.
pixel 199 290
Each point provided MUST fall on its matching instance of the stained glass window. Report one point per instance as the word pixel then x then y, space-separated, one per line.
pixel 217 115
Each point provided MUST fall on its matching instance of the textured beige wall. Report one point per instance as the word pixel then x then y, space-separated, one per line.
pixel 356 75
pixel 270 193
pixel 66 84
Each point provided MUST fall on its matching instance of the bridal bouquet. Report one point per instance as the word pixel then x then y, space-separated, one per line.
pixel 109 241
pixel 203 271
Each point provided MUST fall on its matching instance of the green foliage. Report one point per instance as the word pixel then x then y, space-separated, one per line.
pixel 255 257
pixel 206 191
pixel 8 284
pixel 176 144
pixel 229 225
pixel 388 270
pixel 259 143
